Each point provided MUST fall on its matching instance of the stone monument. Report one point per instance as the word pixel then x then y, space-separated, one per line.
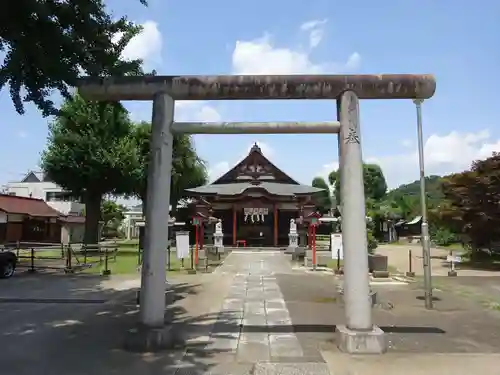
pixel 218 237
pixel 293 236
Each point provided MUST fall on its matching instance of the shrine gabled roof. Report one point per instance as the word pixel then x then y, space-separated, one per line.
pixel 238 188
pixel 255 166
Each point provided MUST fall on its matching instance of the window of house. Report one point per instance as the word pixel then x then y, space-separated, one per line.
pixel 60 196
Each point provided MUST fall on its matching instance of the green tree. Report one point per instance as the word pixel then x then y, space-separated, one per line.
pixel 322 198
pixel 90 152
pixel 473 198
pixel 48 44
pixel 408 195
pixel 188 170
pixel 111 211
pixel 374 182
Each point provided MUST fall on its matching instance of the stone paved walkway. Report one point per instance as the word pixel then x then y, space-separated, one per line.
pixel 254 324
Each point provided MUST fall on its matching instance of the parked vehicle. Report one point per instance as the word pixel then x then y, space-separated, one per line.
pixel 8 263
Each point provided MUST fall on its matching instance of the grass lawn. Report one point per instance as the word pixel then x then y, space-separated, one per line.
pixel 127 261
pixel 332 263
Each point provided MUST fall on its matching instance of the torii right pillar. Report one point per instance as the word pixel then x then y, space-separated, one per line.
pixel 358 335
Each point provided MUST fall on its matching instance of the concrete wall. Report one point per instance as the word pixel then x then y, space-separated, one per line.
pixel 39 190
pixel 72 233
pixel 129 224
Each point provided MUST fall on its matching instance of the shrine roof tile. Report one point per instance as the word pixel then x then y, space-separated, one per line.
pixel 240 187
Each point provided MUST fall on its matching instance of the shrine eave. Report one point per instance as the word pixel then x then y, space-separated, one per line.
pixel 239 188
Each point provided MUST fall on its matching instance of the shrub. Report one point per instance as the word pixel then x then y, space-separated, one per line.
pixel 444 237
pixel 372 241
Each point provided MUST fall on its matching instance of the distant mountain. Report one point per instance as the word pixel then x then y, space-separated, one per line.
pixel 432 187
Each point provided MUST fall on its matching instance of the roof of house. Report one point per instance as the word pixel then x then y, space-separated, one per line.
pixel 35 176
pixel 237 188
pixel 12 204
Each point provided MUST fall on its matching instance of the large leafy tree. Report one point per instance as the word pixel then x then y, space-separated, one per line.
pixel 48 44
pixel 91 153
pixel 374 182
pixel 112 215
pixel 322 198
pixel 188 170
pixel 473 198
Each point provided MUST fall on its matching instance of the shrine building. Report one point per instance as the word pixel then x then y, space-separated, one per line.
pixel 255 201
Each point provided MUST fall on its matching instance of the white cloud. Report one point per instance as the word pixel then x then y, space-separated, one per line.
pixel 146 46
pixel 407 143
pixel 189 110
pixel 316 31
pixel 327 168
pixel 262 56
pixel 218 170
pixel 353 62
pixel 443 154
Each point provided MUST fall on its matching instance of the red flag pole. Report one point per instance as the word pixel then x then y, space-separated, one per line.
pixel 313 229
pixel 196 239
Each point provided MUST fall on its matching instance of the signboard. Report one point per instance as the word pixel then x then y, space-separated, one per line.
pixel 336 246
pixel 196 221
pixel 454 258
pixel 218 239
pixel 255 214
pixel 182 244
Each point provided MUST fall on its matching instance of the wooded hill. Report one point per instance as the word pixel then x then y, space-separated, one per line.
pixel 433 188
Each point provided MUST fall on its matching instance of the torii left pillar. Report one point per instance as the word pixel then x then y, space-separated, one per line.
pixel 153 333
pixel 358 335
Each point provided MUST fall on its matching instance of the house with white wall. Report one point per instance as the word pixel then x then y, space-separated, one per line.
pixel 133 219
pixel 133 215
pixel 36 185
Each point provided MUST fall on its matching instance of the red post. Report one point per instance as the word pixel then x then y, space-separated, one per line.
pixel 196 239
pixel 313 239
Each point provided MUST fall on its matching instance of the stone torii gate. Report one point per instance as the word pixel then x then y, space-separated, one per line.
pixel 359 335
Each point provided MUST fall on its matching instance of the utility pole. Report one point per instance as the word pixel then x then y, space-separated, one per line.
pixel 425 239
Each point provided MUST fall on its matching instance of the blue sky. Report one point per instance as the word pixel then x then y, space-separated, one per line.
pixel 456 41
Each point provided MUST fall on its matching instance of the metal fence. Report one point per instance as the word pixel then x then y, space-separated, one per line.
pixel 68 258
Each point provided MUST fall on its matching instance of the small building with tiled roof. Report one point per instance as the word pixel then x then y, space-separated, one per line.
pixel 255 201
pixel 25 219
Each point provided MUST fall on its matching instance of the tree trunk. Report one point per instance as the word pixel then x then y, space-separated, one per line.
pixel 92 217
pixel 144 203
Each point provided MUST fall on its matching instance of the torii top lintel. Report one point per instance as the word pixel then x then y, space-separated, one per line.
pixel 227 87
